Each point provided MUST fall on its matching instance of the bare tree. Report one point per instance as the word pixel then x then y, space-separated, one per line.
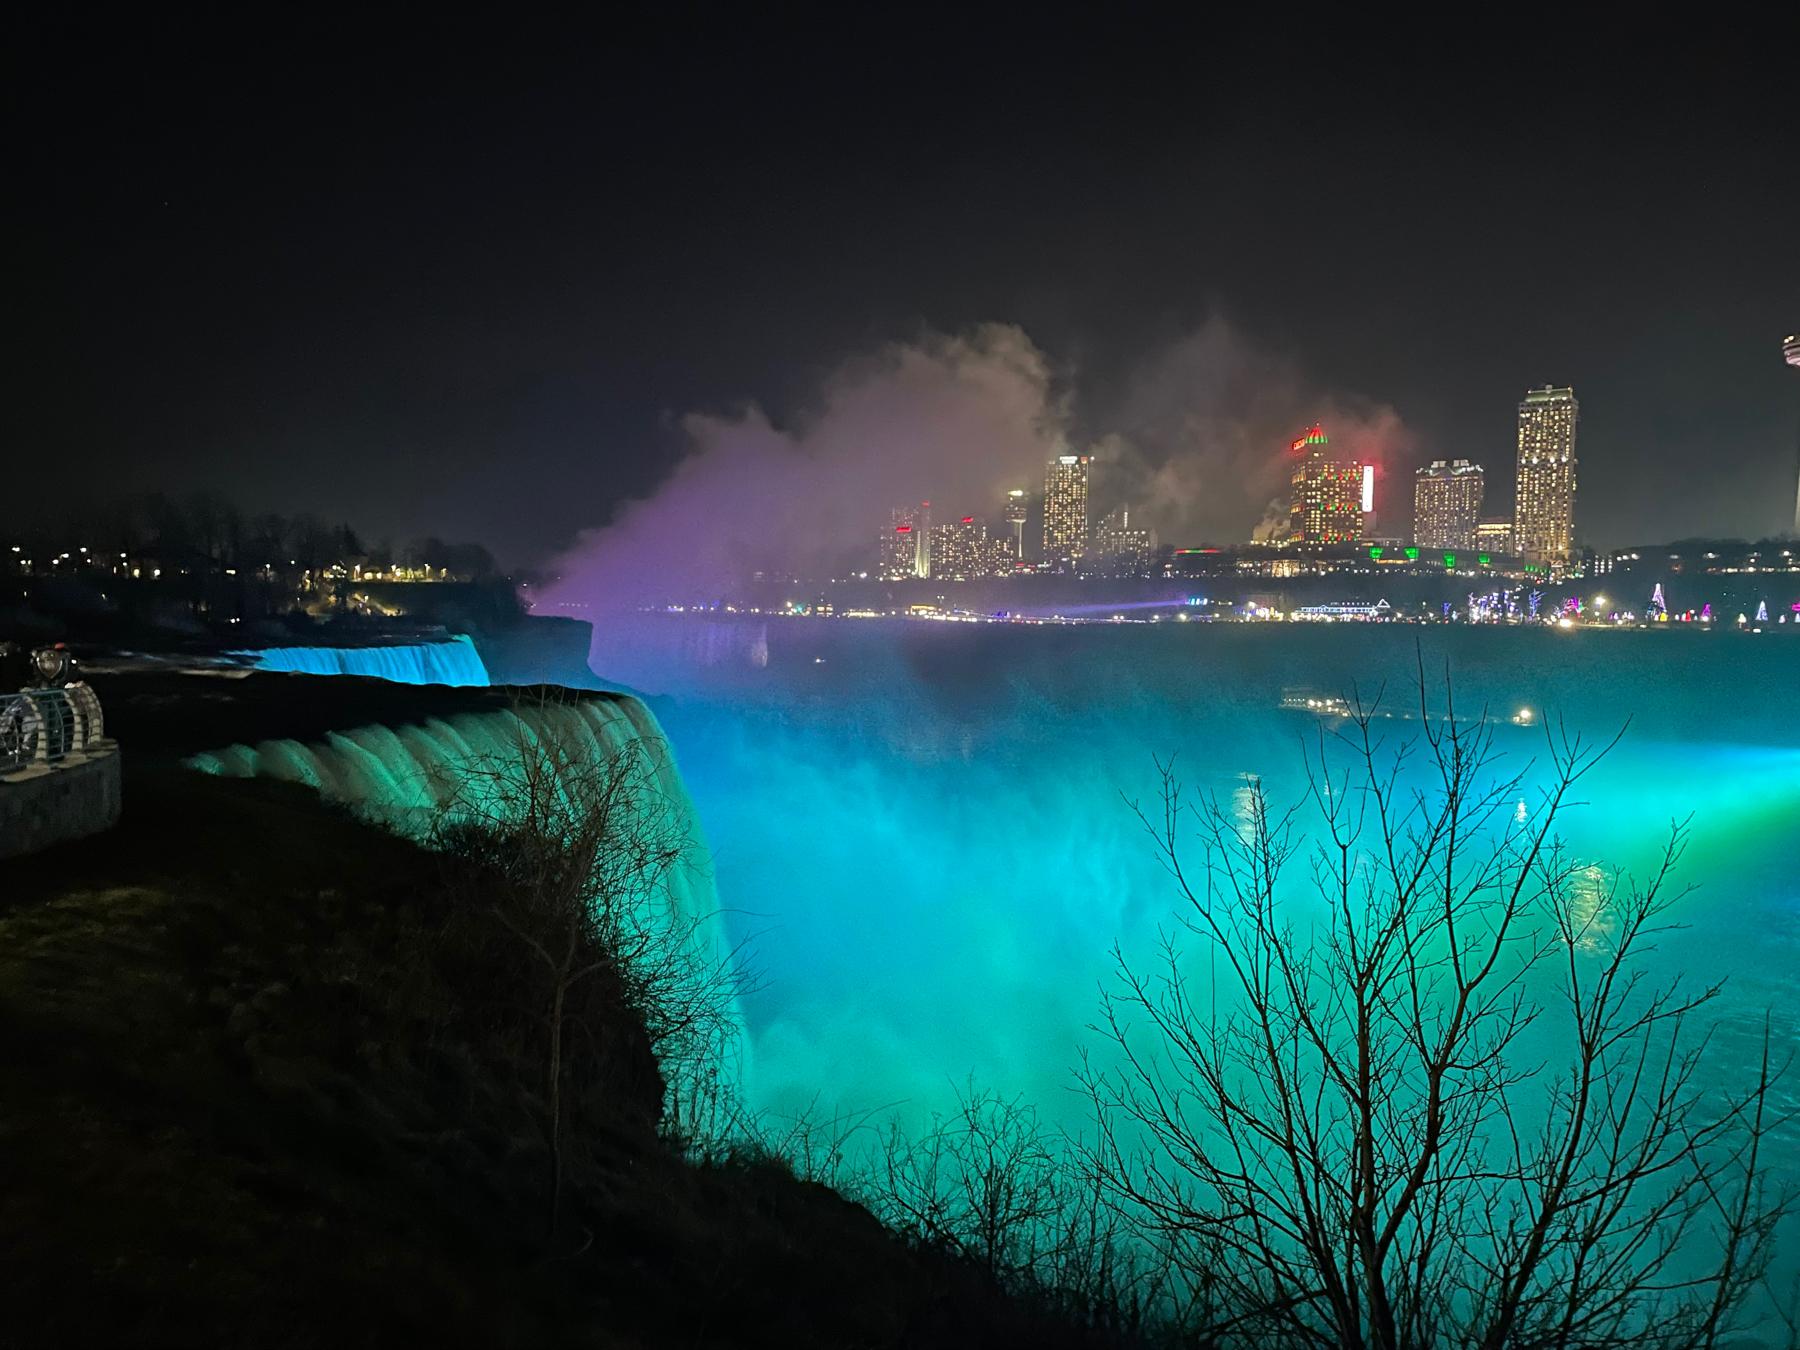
pixel 982 1184
pixel 827 1148
pixel 988 1185
pixel 1431 1097
pixel 576 858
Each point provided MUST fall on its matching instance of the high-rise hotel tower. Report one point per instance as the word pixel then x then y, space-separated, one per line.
pixel 1447 504
pixel 1544 505
pixel 1065 509
pixel 906 543
pixel 1327 505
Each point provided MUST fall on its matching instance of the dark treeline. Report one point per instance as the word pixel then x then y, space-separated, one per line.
pixel 204 527
pixel 133 568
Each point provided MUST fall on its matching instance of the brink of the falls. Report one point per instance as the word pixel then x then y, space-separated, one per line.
pixel 454 661
pixel 407 776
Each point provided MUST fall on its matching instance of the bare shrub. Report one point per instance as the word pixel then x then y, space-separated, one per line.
pixel 982 1184
pixel 576 859
pixel 990 1187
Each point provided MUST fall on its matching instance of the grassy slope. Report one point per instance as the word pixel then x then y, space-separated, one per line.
pixel 229 1115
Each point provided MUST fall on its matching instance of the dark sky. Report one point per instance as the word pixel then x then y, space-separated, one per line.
pixel 459 277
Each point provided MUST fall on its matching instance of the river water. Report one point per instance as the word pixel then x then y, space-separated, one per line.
pixel 923 831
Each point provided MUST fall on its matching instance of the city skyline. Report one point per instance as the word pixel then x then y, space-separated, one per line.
pixel 1333 499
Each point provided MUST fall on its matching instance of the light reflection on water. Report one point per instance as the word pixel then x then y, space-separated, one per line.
pixel 1593 918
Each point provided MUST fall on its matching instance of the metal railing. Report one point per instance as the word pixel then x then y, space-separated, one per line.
pixel 40 728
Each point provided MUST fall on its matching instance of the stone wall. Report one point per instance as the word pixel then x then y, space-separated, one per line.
pixel 70 800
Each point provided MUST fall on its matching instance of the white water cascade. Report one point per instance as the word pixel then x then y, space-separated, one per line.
pixel 454 662
pixel 405 776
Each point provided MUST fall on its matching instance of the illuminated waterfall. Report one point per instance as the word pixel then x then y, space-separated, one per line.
pixel 454 662
pixel 404 776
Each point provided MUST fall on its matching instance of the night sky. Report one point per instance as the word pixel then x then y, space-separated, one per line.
pixel 462 279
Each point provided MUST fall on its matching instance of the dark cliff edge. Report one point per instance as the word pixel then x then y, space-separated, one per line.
pixel 259 1090
pixel 175 713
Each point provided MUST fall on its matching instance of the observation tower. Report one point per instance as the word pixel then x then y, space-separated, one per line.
pixel 1790 348
pixel 1016 505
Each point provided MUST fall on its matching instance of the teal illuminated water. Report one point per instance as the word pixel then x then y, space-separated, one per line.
pixel 922 826
pixel 453 661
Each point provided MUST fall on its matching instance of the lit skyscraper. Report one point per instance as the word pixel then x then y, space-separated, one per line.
pixel 1065 509
pixel 1544 506
pixel 1120 547
pixel 900 547
pixel 1447 504
pixel 1328 493
pixel 906 543
pixel 961 551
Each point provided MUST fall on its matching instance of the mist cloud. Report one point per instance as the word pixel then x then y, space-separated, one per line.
pixel 956 420
pixel 1201 430
pixel 1194 443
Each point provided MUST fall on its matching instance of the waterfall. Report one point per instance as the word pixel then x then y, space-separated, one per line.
pixel 454 662
pixel 405 776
